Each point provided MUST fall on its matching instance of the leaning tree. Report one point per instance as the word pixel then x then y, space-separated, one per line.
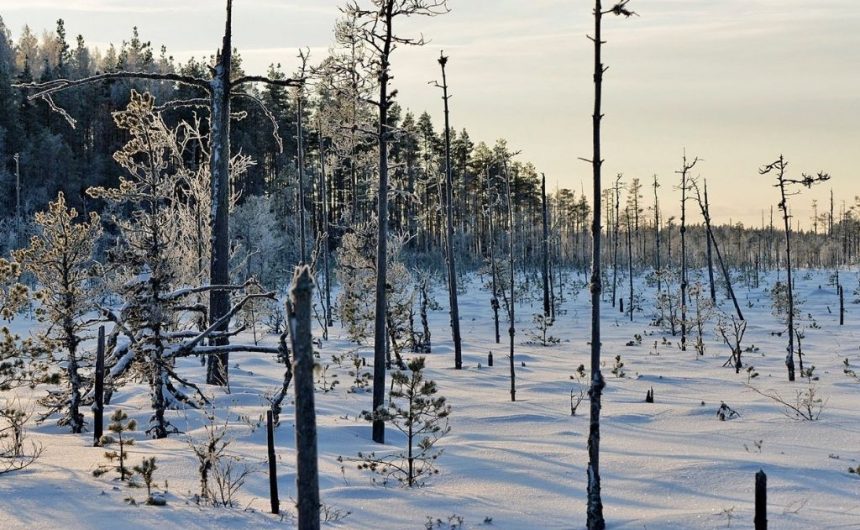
pixel 217 93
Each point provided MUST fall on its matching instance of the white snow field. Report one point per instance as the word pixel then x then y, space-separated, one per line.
pixel 668 465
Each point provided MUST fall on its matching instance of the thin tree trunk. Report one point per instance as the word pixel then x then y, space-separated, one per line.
pixel 617 194
pixel 449 239
pixel 494 301
pixel 325 238
pixel 685 168
pixel 789 357
pixel 545 247
pixel 706 214
pixel 657 237
pixel 594 519
pixel 511 329
pixel 629 267
pixel 301 168
pixel 709 253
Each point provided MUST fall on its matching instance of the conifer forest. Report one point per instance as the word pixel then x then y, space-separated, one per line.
pixel 436 268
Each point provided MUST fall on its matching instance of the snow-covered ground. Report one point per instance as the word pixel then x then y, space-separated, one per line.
pixel 667 465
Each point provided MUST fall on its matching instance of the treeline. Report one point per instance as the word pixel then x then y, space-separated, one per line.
pixel 337 125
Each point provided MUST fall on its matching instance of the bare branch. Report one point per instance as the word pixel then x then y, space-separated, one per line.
pixel 267 80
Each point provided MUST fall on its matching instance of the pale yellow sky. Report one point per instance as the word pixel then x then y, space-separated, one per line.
pixel 734 81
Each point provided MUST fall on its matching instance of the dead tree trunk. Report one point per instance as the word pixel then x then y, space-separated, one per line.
pixel 307 476
pixel 494 301
pixel 376 28
pixel 300 161
pixel 617 196
pixel 685 168
pixel 98 392
pixel 594 510
pixel 325 236
pixel 449 239
pixel 545 249
pixel 706 215
pixel 657 236
pixel 380 337
pixel 709 253
pixel 219 167
pixel 782 181
pixel 629 265
pixel 789 358
pixel 511 308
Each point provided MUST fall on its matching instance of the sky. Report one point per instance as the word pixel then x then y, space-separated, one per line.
pixel 734 82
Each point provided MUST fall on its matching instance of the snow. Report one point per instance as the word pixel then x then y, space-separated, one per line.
pixel 667 465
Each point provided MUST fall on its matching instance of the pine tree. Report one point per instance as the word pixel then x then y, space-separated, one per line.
pixel 120 424
pixel 146 470
pixel 415 410
pixel 61 260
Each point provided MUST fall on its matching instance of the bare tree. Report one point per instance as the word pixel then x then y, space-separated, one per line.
pixel 595 519
pixel 511 304
pixel 307 474
pixel 657 235
pixel 784 182
pixel 684 171
pixel 375 27
pixel 547 306
pixel 449 215
pixel 615 226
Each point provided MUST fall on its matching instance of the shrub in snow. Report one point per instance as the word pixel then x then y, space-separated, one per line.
pixel 146 470
pixel 703 310
pixel 725 412
pixel 222 475
pixel 541 332
pixel 732 330
pixel 618 367
pixel 14 453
